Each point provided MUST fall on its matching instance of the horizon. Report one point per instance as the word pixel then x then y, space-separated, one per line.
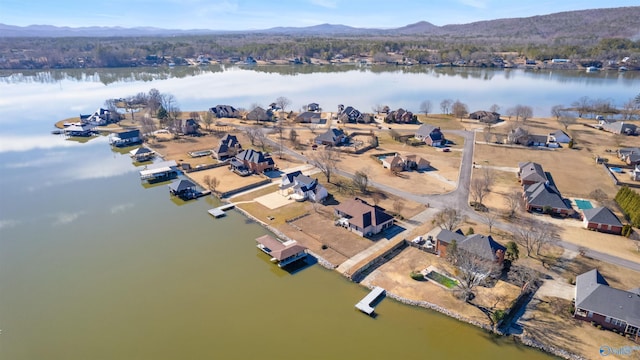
pixel 240 15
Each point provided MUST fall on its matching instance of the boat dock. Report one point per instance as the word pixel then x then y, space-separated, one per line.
pixel 365 304
pixel 219 211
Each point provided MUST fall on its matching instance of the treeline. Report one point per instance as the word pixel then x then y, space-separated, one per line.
pixel 82 52
pixel 629 202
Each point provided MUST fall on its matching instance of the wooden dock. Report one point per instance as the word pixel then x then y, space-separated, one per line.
pixel 220 210
pixel 365 304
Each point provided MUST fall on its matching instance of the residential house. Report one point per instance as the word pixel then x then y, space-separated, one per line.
pixel 142 154
pixel 309 117
pixel 99 117
pixel 260 114
pixel 81 130
pixel 484 247
pixel 558 136
pixel 225 111
pixel 184 189
pixel 620 127
pixel 126 138
pixel 611 308
pixel 399 163
pixel 542 197
pixel 521 136
pixel 281 253
pixel 631 156
pixel 251 161
pixel 430 135
pixel 487 117
pixel 313 107
pixel 333 137
pixel 350 114
pixel 186 127
pixel 531 173
pixel 399 116
pixel 362 218
pixel 302 187
pixel 229 146
pixel 635 174
pixel 601 219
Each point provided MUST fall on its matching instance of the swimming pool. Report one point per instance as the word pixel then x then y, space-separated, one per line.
pixel 616 169
pixel 583 204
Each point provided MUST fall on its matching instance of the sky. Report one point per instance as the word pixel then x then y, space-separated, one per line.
pixel 264 14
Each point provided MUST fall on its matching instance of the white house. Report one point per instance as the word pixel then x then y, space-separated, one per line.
pixel 302 187
pixel 559 136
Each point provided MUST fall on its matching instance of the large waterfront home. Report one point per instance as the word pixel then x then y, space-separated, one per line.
pixel 302 187
pixel 126 138
pixel 608 307
pixel 227 147
pixel 362 218
pixel 479 245
pixel 282 253
pixel 251 161
pixel 142 154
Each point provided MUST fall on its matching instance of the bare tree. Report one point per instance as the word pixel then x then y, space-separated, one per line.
pixel 582 106
pixel 283 102
pixel 293 137
pixel 557 111
pixel 154 100
pixel 533 235
pixel 425 107
pixel 473 270
pixel 494 108
pixel 208 119
pixel 630 108
pixel 148 125
pixel 261 139
pixel 326 161
pixel 513 201
pixel 398 206
pixel 565 120
pixel 459 109
pixel 478 190
pixel 445 105
pixel 448 218
pixel 523 112
pixel 252 134
pixel 487 133
pixel 361 180
pixel 599 195
pixel 211 182
pixel 376 197
pixel 489 218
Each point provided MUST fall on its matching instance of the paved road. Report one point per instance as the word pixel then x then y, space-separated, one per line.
pixel 459 198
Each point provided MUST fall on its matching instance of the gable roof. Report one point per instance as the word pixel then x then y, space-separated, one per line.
pixel 425 130
pixel 181 185
pixel 130 134
pixel 363 214
pixel 482 246
pixel 290 176
pixel 542 194
pixel 601 215
pixel 259 114
pixel 140 151
pixel 279 250
pixel 593 293
pixel 253 156
pixel 559 133
pixel 331 135
pixel 532 172
pixel 447 236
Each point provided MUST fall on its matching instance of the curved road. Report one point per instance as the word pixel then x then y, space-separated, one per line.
pixel 459 198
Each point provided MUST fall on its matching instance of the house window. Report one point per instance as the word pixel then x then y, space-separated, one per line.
pixel 617 322
pixel 607 319
pixel 590 314
pixel 632 330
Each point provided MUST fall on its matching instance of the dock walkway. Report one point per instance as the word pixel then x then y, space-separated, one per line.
pixel 365 304
pixel 219 211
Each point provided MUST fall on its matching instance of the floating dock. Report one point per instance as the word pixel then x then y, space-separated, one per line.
pixel 219 211
pixel 365 304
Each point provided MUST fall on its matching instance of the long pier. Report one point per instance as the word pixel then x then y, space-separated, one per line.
pixel 219 211
pixel 365 304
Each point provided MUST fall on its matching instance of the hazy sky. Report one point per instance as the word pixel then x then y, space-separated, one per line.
pixel 262 14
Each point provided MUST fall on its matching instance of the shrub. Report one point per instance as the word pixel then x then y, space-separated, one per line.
pixel 498 315
pixel 416 276
pixel 470 231
pixel 324 247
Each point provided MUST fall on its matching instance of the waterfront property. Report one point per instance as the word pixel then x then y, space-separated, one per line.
pixel 227 147
pixel 364 305
pixel 250 162
pixel 362 218
pixel 479 245
pixel 601 219
pixel 184 189
pixel 487 117
pixel 99 117
pixel 142 154
pixel 302 187
pixel 125 138
pixel 161 171
pixel 611 308
pixel 282 253
pixel 224 111
pixel 81 130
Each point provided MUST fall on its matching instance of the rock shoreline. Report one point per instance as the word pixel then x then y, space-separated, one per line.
pixel 525 340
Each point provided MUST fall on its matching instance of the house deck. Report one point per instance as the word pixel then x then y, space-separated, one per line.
pixel 365 304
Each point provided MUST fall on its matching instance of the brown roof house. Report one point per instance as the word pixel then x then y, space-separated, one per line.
pixel 397 163
pixel 251 161
pixel 309 117
pixel 631 156
pixel 487 117
pixel 229 146
pixel 611 308
pixel 601 219
pixel 362 218
pixel 430 135
pixel 282 253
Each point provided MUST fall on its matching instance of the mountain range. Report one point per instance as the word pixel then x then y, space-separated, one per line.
pixel 588 24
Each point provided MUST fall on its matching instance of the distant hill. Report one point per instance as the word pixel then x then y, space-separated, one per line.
pixel 591 24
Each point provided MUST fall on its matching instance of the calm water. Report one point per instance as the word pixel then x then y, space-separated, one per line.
pixel 95 266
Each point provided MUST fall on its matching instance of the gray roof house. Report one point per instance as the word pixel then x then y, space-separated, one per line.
pixel 125 138
pixel 228 146
pixel 431 135
pixel 302 187
pixel 225 111
pixel 485 116
pixel 184 189
pixel 630 155
pixel 620 127
pixel 332 137
pixel 531 173
pixel 362 218
pixel 601 219
pixel 480 245
pixel 313 107
pixel 260 114
pixel 559 136
pixel 309 117
pixel 350 114
pixel 614 309
pixel 542 195
pixel 251 161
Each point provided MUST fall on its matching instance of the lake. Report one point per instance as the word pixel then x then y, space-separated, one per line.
pixel 93 265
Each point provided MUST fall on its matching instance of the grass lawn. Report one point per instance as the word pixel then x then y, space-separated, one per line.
pixel 443 280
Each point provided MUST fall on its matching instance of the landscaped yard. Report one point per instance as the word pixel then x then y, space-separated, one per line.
pixel 443 280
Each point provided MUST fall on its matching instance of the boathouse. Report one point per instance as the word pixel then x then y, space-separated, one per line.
pixel 161 171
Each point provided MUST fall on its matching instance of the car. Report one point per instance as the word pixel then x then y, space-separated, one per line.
pixel 446 150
